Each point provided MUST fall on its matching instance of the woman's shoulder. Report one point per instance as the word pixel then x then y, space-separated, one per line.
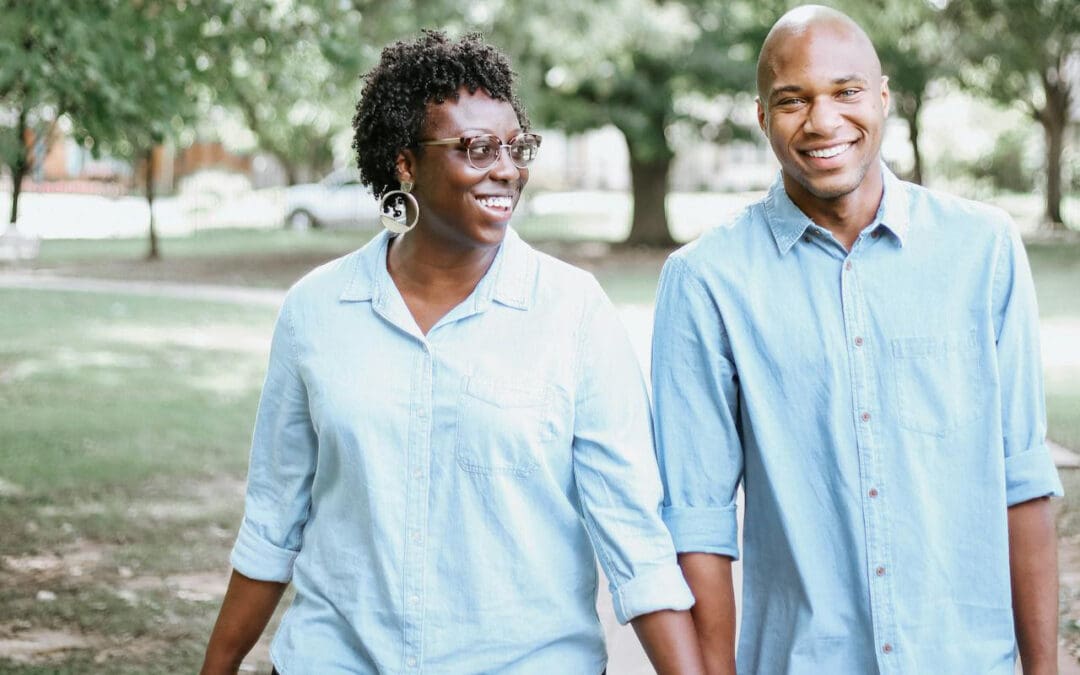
pixel 561 279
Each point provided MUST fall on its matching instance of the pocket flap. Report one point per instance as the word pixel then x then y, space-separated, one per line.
pixel 507 393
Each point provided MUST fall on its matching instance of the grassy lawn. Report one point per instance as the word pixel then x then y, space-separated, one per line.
pixel 1056 268
pixel 124 429
pixel 124 424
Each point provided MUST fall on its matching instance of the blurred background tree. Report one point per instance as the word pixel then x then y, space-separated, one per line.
pixel 913 43
pixel 49 68
pixel 1026 53
pixel 282 71
pixel 658 71
pixel 159 54
pixel 640 66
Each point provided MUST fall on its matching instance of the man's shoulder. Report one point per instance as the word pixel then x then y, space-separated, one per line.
pixel 729 242
pixel 939 210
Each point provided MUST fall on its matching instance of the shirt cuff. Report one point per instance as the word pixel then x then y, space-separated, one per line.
pixel 1031 474
pixel 658 589
pixel 700 529
pixel 256 558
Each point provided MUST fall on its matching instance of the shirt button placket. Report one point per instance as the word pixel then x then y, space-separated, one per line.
pixel 416 509
pixel 860 360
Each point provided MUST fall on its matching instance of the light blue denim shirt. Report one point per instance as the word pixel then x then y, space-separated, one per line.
pixel 436 501
pixel 882 408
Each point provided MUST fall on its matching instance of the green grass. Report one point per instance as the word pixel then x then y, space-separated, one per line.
pixel 1056 268
pixel 220 243
pixel 124 430
pixel 103 390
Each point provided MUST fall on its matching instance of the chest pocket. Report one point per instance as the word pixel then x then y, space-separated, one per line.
pixel 503 425
pixel 938 382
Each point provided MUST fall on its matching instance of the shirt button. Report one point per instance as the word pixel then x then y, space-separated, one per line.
pixel 887 648
pixel 875 234
pixel 416 537
pixel 880 571
pixel 847 265
pixel 411 662
pixel 872 493
pixel 417 473
pixel 865 417
pixel 414 600
pixel 806 239
pixel 858 342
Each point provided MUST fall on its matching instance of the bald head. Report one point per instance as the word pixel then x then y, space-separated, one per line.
pixel 809 22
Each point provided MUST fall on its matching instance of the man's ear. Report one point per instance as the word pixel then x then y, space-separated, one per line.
pixel 886 97
pixel 762 120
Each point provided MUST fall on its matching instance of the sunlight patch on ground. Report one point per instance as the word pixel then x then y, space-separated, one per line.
pixel 67 360
pixel 223 337
pixel 36 645
pixel 75 561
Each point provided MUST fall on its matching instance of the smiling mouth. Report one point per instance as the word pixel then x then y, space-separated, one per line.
pixel 498 203
pixel 831 151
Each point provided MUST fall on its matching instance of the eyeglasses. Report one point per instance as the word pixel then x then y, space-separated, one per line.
pixel 483 151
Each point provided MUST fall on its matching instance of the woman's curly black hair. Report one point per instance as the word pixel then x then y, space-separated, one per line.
pixel 393 104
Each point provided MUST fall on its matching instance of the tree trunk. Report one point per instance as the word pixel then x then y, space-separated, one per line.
pixel 291 177
pixel 20 168
pixel 1053 122
pixel 649 178
pixel 910 113
pixel 1054 116
pixel 153 253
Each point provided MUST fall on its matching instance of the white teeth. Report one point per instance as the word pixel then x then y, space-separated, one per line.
pixel 828 152
pixel 496 202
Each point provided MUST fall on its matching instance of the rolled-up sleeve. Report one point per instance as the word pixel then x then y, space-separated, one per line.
pixel 695 398
pixel 615 471
pixel 1029 467
pixel 283 455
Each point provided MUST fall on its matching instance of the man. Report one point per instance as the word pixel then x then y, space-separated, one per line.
pixel 862 354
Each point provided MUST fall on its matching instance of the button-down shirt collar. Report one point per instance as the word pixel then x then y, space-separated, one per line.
pixel 788 223
pixel 509 282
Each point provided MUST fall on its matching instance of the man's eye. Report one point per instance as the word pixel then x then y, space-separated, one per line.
pixel 848 93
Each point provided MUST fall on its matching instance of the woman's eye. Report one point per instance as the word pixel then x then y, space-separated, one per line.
pixel 481 149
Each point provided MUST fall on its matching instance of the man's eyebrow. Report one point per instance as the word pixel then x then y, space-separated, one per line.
pixel 854 77
pixel 786 89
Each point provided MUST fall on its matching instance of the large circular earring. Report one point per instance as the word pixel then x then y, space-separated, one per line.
pixel 394 207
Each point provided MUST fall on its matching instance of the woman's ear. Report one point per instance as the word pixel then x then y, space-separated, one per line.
pixel 405 163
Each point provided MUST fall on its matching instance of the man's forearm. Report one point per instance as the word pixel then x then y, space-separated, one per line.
pixel 1034 570
pixel 670 642
pixel 709 577
pixel 247 608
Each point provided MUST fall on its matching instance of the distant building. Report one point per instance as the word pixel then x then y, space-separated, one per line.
pixel 66 166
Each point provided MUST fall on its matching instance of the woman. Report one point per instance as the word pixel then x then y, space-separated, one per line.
pixel 451 423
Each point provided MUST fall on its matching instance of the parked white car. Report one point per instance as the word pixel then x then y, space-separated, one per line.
pixel 338 200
